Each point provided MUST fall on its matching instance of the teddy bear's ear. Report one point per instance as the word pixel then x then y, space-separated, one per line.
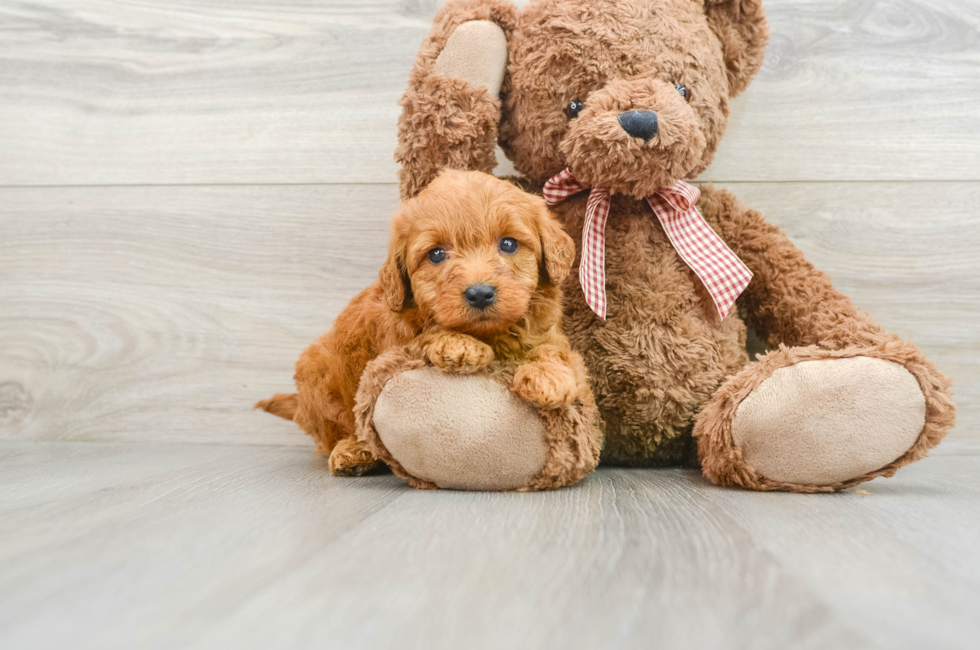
pixel 451 109
pixel 742 29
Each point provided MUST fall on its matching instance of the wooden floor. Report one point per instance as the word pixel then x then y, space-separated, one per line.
pixel 191 190
pixel 115 545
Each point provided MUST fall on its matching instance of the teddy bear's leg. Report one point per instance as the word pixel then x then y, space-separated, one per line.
pixel 812 420
pixel 451 109
pixel 839 401
pixel 468 431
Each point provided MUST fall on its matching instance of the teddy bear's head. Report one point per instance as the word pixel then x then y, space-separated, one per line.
pixel 629 94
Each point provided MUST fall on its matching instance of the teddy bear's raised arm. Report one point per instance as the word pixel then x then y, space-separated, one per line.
pixel 451 108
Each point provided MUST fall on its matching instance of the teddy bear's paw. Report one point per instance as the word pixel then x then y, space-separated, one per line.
pixel 464 432
pixel 459 353
pixel 476 53
pixel 828 421
pixel 545 385
pixel 351 458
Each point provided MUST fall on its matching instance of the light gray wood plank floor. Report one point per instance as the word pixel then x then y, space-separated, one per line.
pixel 113 545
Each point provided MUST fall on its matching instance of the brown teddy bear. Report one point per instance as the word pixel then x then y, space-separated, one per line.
pixel 606 106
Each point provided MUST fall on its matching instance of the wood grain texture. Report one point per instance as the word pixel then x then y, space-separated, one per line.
pixel 148 545
pixel 196 546
pixel 164 313
pixel 188 91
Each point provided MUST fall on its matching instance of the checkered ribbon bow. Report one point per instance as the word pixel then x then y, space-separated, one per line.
pixel 722 273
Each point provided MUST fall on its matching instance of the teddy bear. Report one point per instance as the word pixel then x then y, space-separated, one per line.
pixel 605 107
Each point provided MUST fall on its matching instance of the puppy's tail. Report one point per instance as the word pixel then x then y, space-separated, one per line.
pixel 284 405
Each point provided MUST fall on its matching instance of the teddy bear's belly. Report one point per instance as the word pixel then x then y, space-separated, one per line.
pixel 662 351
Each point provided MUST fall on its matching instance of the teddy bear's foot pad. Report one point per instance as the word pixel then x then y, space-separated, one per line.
pixel 477 53
pixel 484 437
pixel 830 420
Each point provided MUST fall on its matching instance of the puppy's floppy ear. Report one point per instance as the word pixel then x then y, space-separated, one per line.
pixel 557 247
pixel 393 276
pixel 742 29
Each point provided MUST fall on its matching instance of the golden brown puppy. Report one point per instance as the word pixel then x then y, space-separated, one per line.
pixel 472 277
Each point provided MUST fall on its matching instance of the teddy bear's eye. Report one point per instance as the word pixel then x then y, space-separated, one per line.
pixel 437 255
pixel 508 245
pixel 574 108
pixel 682 90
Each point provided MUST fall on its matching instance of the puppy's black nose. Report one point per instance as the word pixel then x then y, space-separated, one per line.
pixel 639 124
pixel 480 296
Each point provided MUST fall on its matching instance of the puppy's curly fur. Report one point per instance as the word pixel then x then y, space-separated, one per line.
pixel 421 304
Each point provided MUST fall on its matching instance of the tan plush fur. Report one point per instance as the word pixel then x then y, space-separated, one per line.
pixel 662 362
pixel 421 305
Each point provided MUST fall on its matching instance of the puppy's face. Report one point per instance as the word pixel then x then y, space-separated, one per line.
pixel 472 251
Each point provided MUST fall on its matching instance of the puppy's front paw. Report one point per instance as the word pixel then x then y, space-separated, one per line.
pixel 545 385
pixel 459 353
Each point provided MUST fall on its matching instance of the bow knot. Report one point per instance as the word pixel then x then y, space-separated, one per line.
pixel 681 196
pixel 723 274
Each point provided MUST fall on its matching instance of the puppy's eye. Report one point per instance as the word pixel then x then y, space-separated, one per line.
pixel 574 108
pixel 437 255
pixel 683 91
pixel 508 245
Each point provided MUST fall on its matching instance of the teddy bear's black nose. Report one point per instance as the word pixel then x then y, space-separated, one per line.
pixel 480 296
pixel 639 124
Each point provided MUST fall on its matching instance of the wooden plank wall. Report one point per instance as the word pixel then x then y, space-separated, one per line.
pixel 190 190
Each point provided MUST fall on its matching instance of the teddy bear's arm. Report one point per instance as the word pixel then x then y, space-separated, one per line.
pixel 451 109
pixel 789 301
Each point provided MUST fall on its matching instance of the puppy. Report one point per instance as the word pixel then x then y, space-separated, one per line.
pixel 472 278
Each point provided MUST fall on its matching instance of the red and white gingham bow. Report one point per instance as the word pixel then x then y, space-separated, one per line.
pixel 722 273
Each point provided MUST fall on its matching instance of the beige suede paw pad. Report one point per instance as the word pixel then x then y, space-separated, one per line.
pixel 477 53
pixel 460 431
pixel 830 420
